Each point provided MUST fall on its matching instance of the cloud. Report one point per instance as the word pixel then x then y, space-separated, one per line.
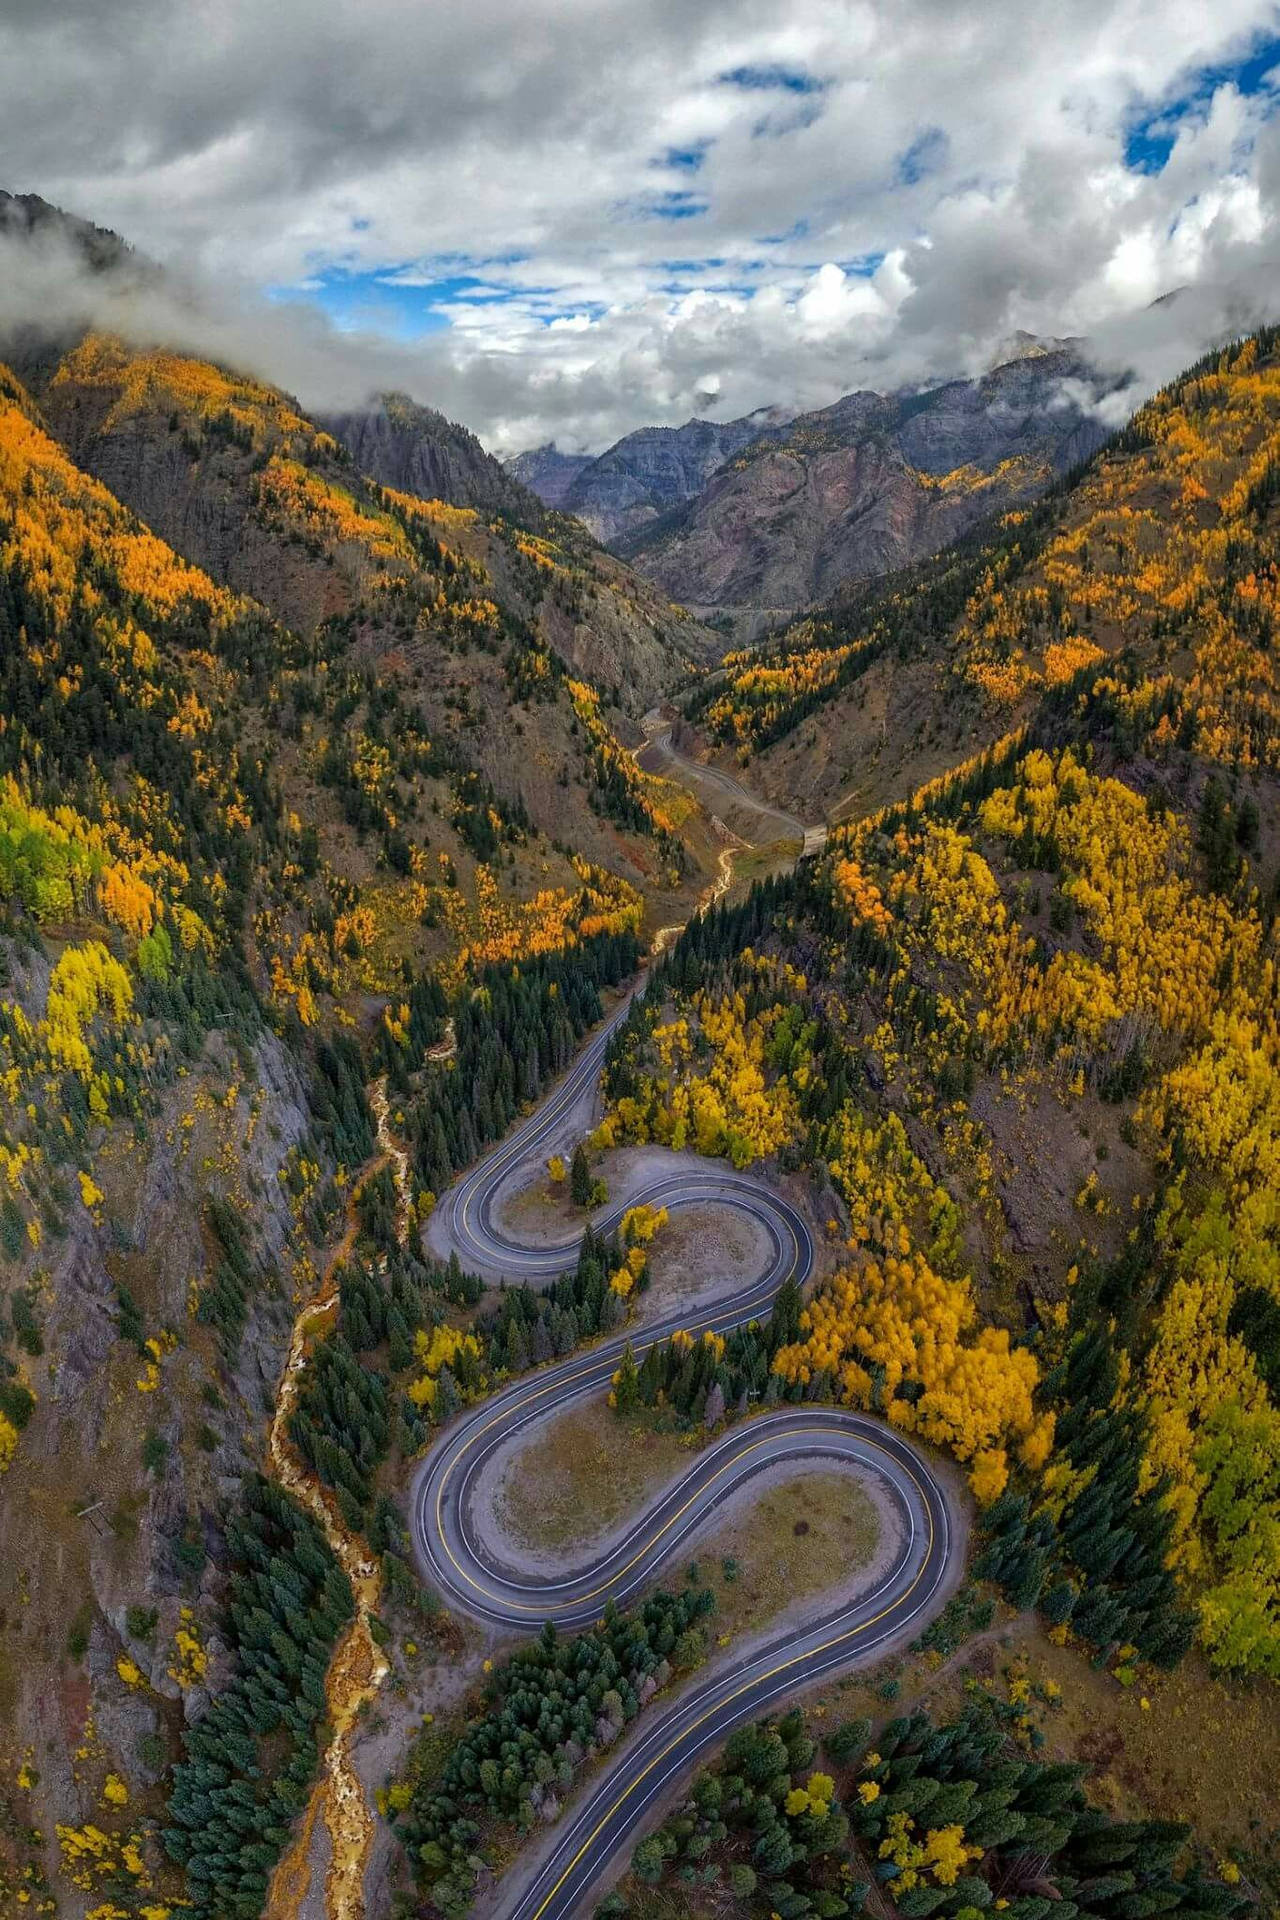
pixel 566 222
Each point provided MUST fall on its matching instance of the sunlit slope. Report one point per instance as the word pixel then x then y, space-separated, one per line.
pixel 1164 545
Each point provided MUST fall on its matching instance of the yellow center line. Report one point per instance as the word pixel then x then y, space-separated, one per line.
pixel 556 1383
pixel 651 1540
pixel 596 1370
pixel 718 1706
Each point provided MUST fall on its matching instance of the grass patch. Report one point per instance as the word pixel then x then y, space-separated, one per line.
pixel 761 863
pixel 698 1245
pixel 583 1475
pixel 544 1209
pixel 672 1903
pixel 800 1537
pixel 1201 1749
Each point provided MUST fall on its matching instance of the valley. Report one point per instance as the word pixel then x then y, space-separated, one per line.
pixel 639 1266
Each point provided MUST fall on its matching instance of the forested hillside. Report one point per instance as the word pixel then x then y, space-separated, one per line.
pixel 1024 1025
pixel 300 785
pixel 1161 546
pixel 321 848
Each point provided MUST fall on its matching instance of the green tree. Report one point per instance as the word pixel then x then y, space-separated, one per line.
pixel 580 1177
pixel 626 1382
pixel 647 1860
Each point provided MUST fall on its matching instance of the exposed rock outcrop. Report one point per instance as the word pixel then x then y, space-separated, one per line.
pixel 415 449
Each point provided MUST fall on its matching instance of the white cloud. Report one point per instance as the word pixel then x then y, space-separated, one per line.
pixel 980 156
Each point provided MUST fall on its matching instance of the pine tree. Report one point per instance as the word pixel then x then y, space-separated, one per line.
pixel 580 1177
pixel 626 1382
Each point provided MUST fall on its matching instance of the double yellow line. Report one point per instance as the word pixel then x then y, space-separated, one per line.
pixel 748 1686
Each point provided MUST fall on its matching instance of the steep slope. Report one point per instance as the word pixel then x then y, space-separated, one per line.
pixel 158 1153
pixel 245 867
pixel 548 472
pixel 868 485
pixel 647 473
pixel 416 450
pixel 233 473
pixel 25 217
pixel 859 703
pixel 1024 1025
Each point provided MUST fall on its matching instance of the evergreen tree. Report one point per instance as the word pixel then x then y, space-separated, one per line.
pixel 580 1177
pixel 626 1382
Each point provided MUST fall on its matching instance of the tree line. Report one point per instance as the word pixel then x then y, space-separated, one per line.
pixel 249 1762
pixel 946 1819
pixel 550 1707
pixel 516 1028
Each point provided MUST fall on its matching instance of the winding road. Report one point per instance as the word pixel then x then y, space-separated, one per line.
pixel 669 1738
pixel 717 788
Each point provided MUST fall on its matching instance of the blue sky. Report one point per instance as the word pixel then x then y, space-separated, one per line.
pixel 1151 135
pixel 566 221
pixel 428 301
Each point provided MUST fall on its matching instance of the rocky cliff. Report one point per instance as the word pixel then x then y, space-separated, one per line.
pixel 649 472
pixel 416 450
pixel 548 472
pixel 868 485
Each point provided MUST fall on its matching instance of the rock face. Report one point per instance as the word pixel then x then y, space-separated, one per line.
pixel 25 216
pixel 416 450
pixel 548 472
pixel 869 485
pixel 643 476
pixel 760 516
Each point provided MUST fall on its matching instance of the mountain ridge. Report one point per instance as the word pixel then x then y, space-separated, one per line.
pixel 766 515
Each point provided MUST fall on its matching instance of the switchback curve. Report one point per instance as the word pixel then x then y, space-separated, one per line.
pixel 470 1577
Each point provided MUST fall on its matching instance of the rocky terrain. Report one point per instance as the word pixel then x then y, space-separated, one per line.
pixel 415 449
pixel 548 472
pixel 746 522
pixel 641 478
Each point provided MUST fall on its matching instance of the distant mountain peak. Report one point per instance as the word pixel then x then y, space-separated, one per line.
pixel 26 216
pixel 1021 345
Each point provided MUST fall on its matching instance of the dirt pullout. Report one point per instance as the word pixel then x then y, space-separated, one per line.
pixel 526 1204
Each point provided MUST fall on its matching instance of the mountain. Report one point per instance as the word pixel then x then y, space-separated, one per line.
pixel 26 218
pixel 606 620
pixel 1022 1012
pixel 301 796
pixel 866 486
pixel 854 705
pixel 640 478
pixel 548 472
pixel 416 450
pixel 748 520
pixel 232 474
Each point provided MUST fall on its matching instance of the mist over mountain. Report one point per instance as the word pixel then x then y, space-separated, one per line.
pixel 416 450
pixel 754 518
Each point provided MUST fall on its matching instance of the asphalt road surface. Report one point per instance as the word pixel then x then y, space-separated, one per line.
pixel 668 1739
pixel 713 785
